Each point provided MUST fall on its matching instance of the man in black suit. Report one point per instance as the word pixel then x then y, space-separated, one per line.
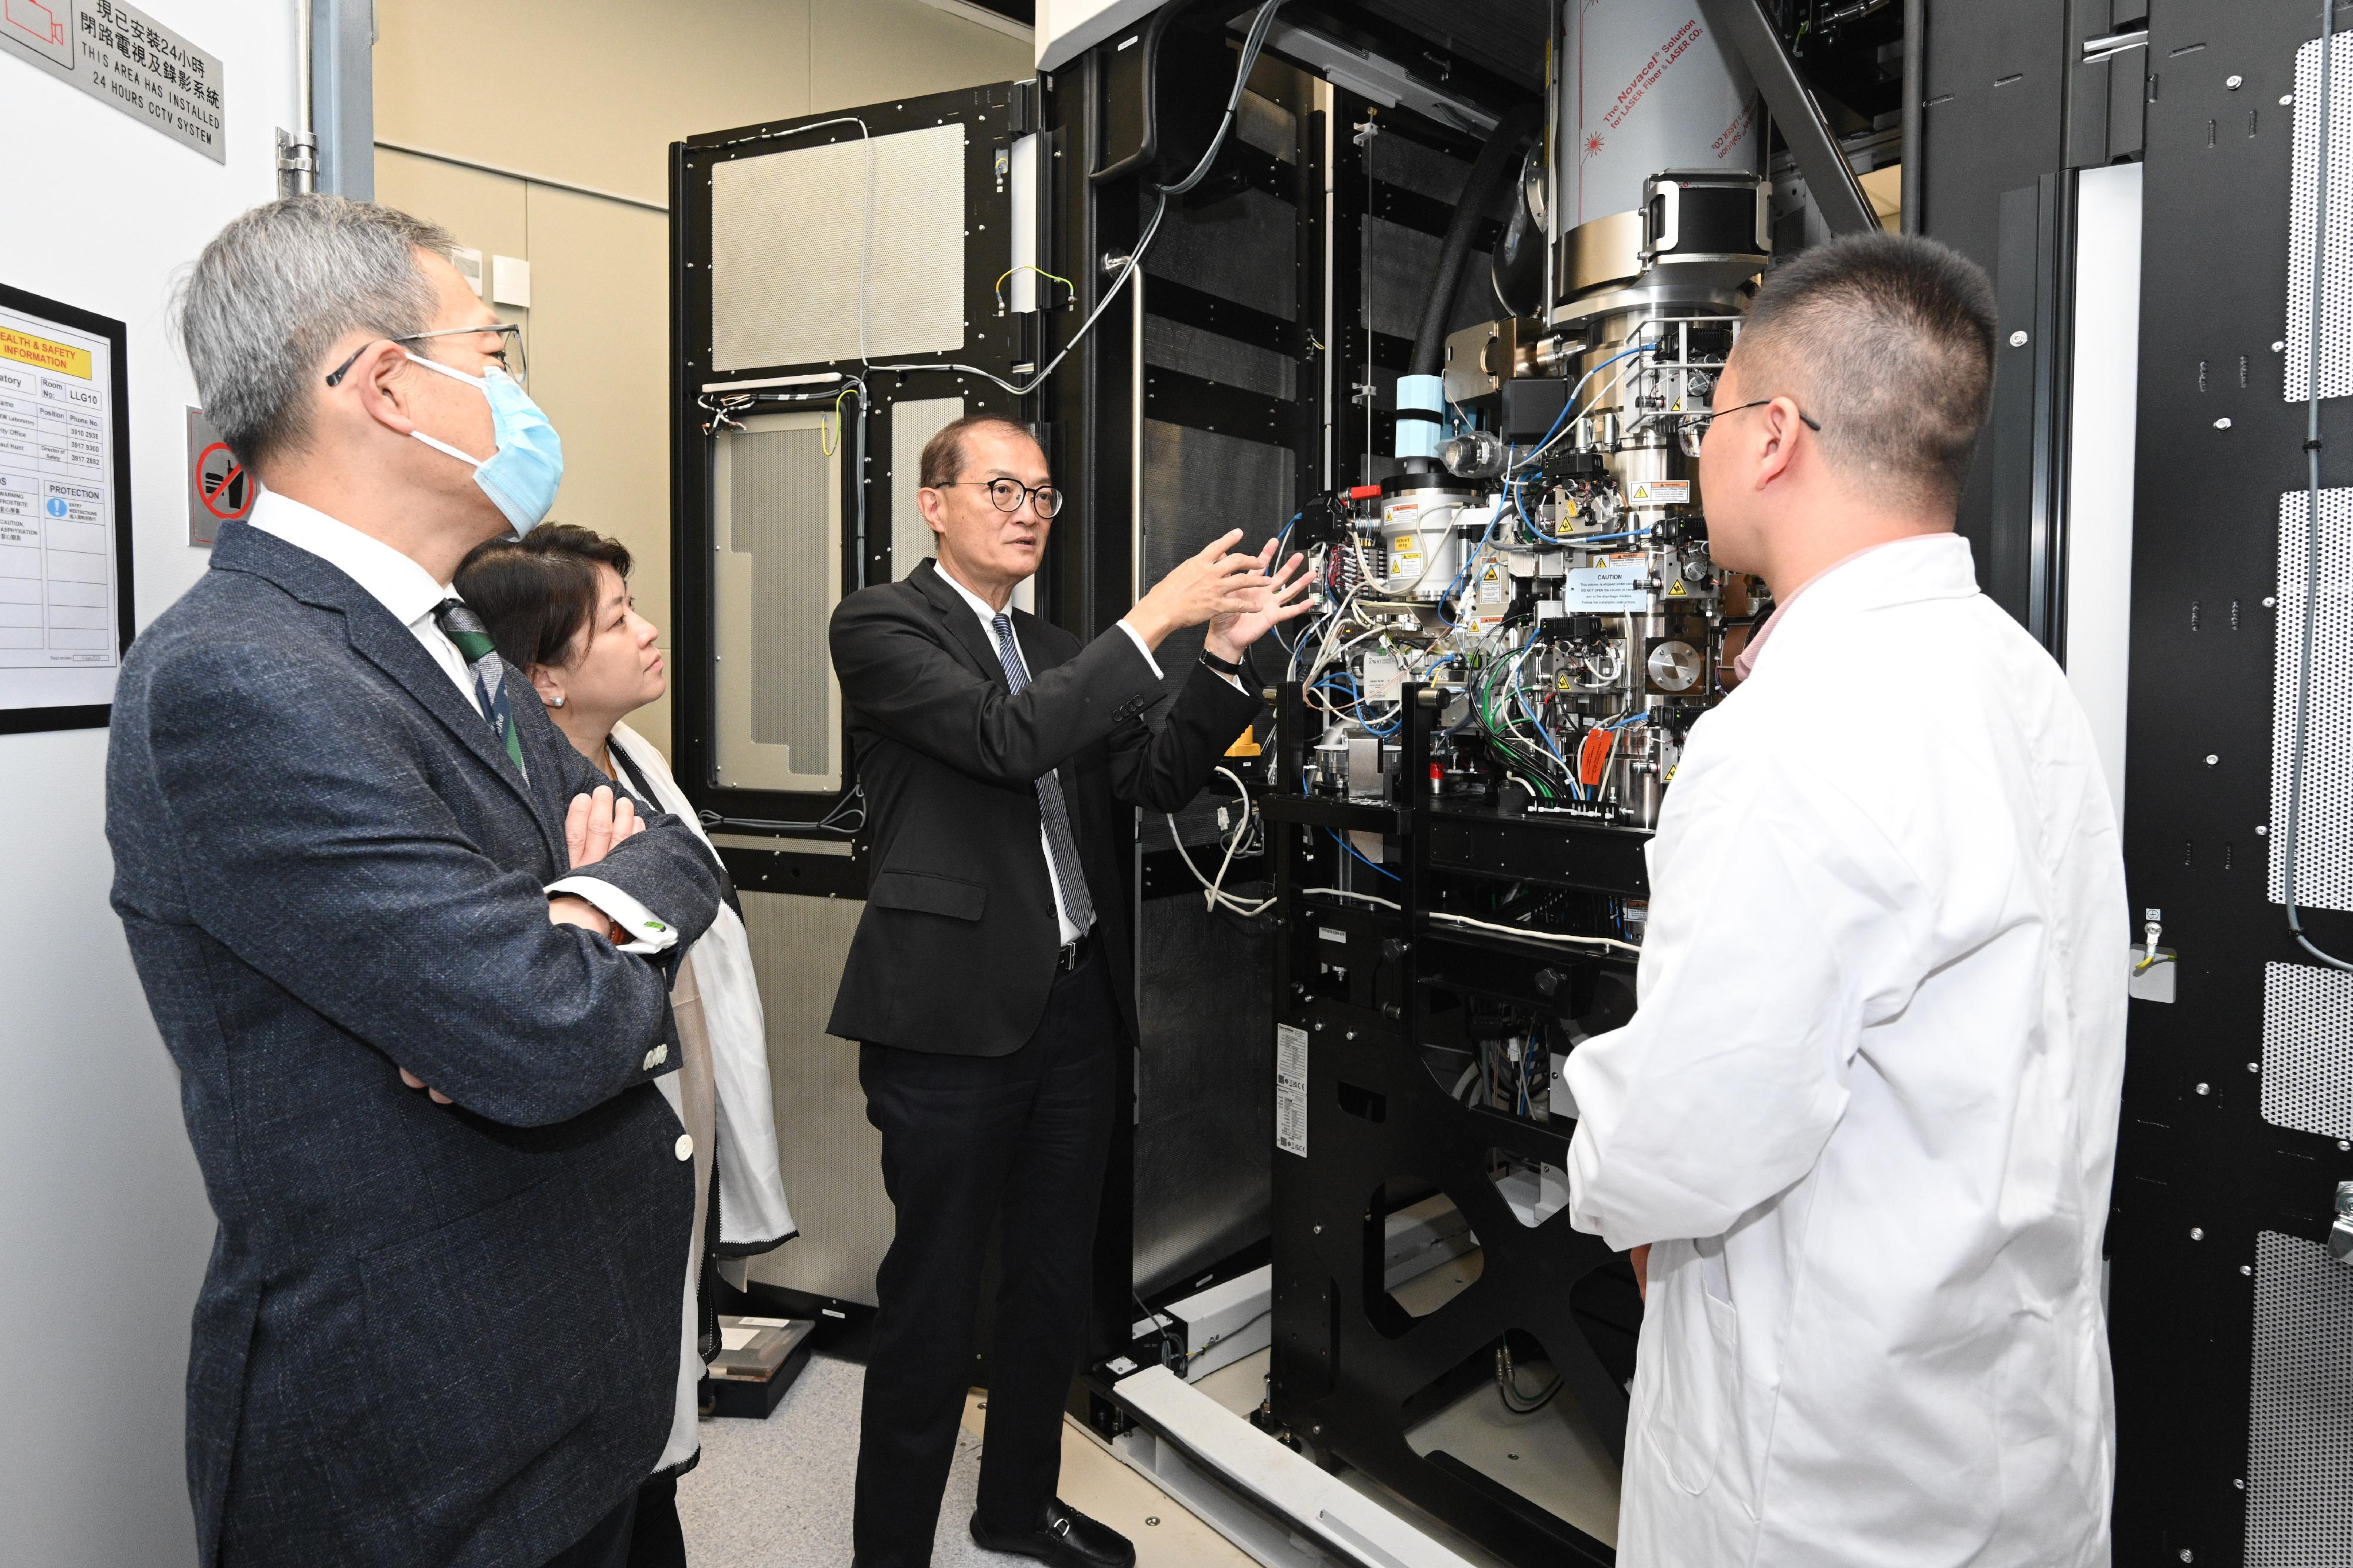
pixel 991 980
pixel 439 1328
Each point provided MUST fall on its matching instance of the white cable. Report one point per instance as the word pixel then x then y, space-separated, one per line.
pixel 1346 893
pixel 1537 935
pixel 1213 894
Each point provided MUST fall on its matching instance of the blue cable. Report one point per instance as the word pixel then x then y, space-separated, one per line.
pixel 1569 402
pixel 1359 856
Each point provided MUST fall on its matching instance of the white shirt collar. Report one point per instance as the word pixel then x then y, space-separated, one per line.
pixel 979 606
pixel 395 581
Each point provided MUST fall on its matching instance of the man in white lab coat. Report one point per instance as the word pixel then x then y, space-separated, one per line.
pixel 1864 1118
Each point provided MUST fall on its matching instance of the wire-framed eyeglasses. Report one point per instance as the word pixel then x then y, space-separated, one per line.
pixel 508 356
pixel 1006 495
pixel 1692 426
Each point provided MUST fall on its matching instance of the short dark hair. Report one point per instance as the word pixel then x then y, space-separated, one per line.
pixel 1887 341
pixel 943 453
pixel 535 594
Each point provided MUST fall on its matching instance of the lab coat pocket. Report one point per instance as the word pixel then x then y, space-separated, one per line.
pixel 1695 1395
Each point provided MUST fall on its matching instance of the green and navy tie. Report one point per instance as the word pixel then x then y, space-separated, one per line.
pixel 465 629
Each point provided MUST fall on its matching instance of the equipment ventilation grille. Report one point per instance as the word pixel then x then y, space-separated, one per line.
pixel 2300 1412
pixel 778 564
pixel 2308 1050
pixel 794 233
pixel 2324 874
pixel 913 423
pixel 2336 295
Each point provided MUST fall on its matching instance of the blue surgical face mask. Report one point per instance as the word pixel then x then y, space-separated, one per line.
pixel 523 476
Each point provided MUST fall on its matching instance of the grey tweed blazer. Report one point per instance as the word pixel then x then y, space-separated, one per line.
pixel 428 1335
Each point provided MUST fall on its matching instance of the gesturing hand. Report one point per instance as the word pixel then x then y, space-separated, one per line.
pixel 1213 583
pixel 1279 601
pixel 597 822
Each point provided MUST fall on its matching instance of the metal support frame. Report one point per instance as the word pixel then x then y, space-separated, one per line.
pixel 1915 60
pixel 1829 180
pixel 341 115
pixel 1350 1371
pixel 2200 1174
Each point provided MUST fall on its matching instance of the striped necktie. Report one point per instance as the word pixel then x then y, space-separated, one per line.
pixel 1059 844
pixel 465 629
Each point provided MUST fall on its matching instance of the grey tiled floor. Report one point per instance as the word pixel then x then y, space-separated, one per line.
pixel 776 1493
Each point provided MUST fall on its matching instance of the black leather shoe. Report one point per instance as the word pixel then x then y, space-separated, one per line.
pixel 1064 1537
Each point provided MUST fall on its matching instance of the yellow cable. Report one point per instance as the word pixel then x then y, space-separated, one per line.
pixel 1040 271
pixel 836 447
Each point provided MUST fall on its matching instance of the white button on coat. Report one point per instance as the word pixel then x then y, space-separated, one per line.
pixel 685 1146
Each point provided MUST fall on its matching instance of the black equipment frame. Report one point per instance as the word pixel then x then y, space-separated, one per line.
pixel 2199 1173
pixel 996 341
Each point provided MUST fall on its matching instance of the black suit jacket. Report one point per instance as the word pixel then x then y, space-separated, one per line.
pixel 429 1335
pixel 956 950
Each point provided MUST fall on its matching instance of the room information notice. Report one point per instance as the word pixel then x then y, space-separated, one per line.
pixel 59 638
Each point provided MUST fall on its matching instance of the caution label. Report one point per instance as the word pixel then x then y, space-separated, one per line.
pixel 1658 492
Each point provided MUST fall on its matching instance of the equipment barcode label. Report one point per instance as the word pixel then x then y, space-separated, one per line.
pixel 1290 1089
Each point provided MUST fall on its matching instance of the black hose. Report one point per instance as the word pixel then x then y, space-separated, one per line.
pixel 1498 160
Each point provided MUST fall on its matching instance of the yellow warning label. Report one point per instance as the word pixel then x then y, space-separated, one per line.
pixel 43 354
pixel 1678 587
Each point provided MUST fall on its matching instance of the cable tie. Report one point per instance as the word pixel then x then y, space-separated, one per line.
pixel 2313 445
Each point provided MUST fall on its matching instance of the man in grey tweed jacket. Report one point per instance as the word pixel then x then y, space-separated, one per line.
pixel 439 1327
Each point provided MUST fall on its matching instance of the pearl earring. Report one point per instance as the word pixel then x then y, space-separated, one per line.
pixel 555 702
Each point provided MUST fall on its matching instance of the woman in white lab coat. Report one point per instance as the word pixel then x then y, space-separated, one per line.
pixel 557 605
pixel 1865 1113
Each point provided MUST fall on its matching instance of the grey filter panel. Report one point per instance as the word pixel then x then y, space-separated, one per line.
pixel 2337 294
pixel 831 1155
pixel 2300 1414
pixel 1244 249
pixel 913 423
pixel 2308 1050
pixel 809 244
pixel 780 515
pixel 1205 1092
pixel 1197 485
pixel 2324 871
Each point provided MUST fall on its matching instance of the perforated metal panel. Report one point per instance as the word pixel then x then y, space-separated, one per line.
pixel 777 574
pixel 831 1156
pixel 2324 872
pixel 787 234
pixel 2308 1050
pixel 2300 1426
pixel 913 423
pixel 2337 291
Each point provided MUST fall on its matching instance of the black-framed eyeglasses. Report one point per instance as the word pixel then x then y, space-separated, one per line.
pixel 1694 426
pixel 1006 495
pixel 509 356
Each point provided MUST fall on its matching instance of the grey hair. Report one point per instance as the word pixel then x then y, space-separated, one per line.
pixel 275 292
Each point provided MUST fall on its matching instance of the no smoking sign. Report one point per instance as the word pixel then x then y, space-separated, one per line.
pixel 219 490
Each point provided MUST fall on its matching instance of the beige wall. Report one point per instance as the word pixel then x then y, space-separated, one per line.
pixel 592 92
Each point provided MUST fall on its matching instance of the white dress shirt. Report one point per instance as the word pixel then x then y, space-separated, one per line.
pixel 1071 929
pixel 408 591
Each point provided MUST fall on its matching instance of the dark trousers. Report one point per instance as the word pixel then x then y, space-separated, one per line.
pixel 656 1538
pixel 606 1544
pixel 968 1142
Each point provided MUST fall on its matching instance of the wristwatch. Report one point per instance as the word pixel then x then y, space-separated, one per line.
pixel 1224 666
